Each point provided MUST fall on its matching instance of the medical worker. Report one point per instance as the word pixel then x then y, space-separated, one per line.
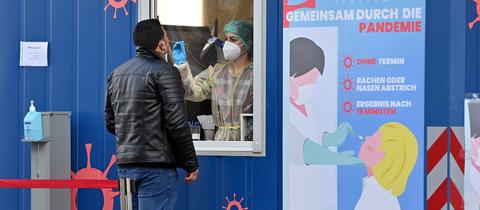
pixel 229 85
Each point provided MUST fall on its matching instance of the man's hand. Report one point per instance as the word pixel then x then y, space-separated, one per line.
pixel 191 177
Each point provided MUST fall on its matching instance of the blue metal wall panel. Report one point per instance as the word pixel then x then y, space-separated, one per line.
pixel 90 90
pixel 62 57
pixel 36 28
pixel 267 184
pixel 233 179
pixel 451 60
pixel 85 45
pixel 9 100
pixel 437 59
pixel 204 193
pixel 457 59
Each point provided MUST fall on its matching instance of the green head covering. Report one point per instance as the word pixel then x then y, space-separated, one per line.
pixel 242 30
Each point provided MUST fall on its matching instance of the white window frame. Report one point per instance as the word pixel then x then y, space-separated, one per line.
pixel 257 147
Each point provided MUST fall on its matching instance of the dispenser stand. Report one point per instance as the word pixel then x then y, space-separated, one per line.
pixel 50 159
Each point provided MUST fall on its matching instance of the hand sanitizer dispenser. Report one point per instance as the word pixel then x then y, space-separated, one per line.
pixel 32 124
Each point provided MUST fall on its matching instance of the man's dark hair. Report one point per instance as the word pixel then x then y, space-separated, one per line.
pixel 148 33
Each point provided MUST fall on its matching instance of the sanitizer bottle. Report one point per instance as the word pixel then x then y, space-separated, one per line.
pixel 32 124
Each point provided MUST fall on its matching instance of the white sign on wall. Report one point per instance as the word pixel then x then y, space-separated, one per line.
pixel 34 54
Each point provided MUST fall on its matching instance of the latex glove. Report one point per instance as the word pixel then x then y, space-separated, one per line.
pixel 338 137
pixel 315 154
pixel 178 51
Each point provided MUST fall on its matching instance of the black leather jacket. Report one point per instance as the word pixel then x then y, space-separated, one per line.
pixel 145 110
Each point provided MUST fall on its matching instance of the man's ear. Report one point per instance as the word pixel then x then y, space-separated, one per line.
pixel 162 47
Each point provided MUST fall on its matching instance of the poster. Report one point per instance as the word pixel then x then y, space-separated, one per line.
pixel 472 154
pixel 353 104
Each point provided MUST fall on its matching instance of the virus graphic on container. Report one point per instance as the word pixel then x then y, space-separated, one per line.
pixel 471 24
pixel 90 173
pixel 121 4
pixel 234 203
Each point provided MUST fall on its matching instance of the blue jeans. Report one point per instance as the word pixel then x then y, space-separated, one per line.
pixel 156 188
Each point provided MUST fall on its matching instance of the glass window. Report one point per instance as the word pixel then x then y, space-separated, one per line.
pixel 223 75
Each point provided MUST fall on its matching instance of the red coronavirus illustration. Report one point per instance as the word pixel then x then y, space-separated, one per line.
pixel 234 203
pixel 347 84
pixel 347 107
pixel 348 62
pixel 117 5
pixel 90 173
pixel 471 24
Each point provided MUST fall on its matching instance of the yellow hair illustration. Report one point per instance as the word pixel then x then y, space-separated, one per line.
pixel 401 152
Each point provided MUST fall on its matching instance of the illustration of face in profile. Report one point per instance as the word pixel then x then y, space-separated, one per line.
pixel 307 61
pixel 390 155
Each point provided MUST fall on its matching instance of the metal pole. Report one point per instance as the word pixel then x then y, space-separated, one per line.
pixel 129 194
pixel 127 187
pixel 121 183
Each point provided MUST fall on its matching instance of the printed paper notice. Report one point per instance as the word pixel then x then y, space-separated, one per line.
pixel 33 53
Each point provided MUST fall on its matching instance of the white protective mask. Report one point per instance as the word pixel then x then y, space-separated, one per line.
pixel 231 51
pixel 305 93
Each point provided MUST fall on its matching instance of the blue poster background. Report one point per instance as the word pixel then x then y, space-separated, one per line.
pixel 360 45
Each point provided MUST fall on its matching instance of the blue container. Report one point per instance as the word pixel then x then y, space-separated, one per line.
pixel 32 125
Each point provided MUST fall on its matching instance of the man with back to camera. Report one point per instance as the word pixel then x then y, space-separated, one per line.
pixel 145 110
